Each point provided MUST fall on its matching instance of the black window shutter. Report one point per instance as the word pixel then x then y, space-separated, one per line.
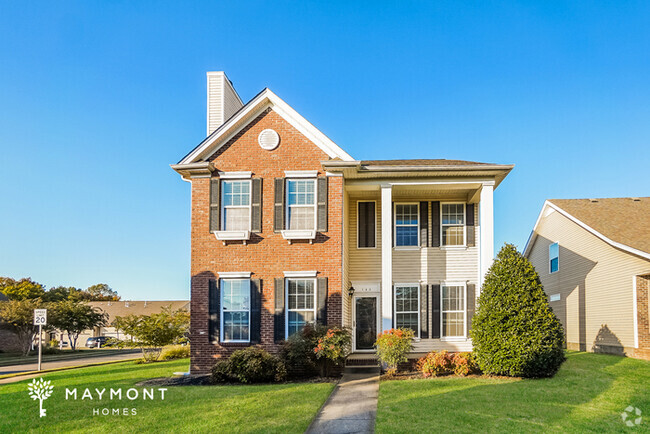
pixel 469 223
pixel 321 293
pixel 424 224
pixel 424 311
pixel 435 224
pixel 366 224
pixel 436 312
pixel 278 215
pixel 256 311
pixel 256 205
pixel 214 298
pixel 321 192
pixel 471 305
pixel 215 202
pixel 278 317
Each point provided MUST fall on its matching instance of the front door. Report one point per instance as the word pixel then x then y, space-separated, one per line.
pixel 365 320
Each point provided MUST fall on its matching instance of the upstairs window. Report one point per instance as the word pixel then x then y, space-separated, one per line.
pixel 301 304
pixel 407 307
pixel 453 224
pixel 554 257
pixel 235 310
pixel 236 200
pixel 406 224
pixel 301 204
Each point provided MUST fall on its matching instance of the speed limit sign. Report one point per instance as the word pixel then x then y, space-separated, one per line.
pixel 40 316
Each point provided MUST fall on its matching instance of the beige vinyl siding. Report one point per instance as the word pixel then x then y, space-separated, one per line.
pixel 215 100
pixel 365 264
pixel 231 102
pixel 347 303
pixel 594 282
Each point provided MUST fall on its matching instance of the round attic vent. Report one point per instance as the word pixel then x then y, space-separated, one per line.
pixel 269 139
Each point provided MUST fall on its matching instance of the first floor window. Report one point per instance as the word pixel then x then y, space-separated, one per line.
pixel 554 257
pixel 407 308
pixel 301 304
pixel 453 311
pixel 406 224
pixel 236 205
pixel 453 224
pixel 301 204
pixel 235 310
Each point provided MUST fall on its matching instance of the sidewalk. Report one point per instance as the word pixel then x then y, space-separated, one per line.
pixel 352 407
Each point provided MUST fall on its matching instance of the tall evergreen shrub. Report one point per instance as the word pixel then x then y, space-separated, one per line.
pixel 515 331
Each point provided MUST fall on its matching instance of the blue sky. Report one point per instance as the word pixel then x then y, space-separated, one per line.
pixel 98 98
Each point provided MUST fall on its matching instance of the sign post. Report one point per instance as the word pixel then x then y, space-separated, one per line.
pixel 40 319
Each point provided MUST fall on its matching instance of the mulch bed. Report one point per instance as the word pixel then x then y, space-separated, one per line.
pixel 415 375
pixel 204 380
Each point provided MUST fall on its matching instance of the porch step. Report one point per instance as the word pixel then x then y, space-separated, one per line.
pixel 357 362
pixel 361 369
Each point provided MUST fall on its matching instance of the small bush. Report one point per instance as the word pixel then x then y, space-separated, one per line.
pixel 333 348
pixel 464 364
pixel 53 343
pixel 435 364
pixel 175 352
pixel 515 331
pixel 250 365
pixel 393 347
pixel 298 355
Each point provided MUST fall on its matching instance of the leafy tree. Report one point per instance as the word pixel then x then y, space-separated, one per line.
pixel 74 317
pixel 515 331
pixel 22 289
pixel 59 293
pixel 102 292
pixel 17 316
pixel 152 332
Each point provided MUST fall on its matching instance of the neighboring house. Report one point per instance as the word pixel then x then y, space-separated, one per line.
pixel 122 308
pixel 288 229
pixel 593 257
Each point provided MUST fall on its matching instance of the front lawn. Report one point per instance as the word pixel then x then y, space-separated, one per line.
pixel 589 393
pixel 268 408
pixel 9 359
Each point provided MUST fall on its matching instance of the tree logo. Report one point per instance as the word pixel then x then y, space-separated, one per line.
pixel 40 390
pixel 631 416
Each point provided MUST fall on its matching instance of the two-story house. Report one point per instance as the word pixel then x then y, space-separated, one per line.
pixel 288 230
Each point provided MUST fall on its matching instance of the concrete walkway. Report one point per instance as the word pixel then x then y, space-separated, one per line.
pixel 127 355
pixel 352 407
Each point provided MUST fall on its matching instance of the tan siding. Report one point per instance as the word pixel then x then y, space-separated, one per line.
pixel 231 102
pixel 215 98
pixel 365 264
pixel 594 281
pixel 347 303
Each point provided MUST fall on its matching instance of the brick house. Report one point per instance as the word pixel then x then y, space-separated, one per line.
pixel 593 258
pixel 287 230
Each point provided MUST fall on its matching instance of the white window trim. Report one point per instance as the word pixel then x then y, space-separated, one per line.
pixel 300 173
pixel 234 274
pixel 221 315
pixel 549 257
pixel 453 338
pixel 298 274
pixel 235 234
pixel 408 285
pixel 300 234
pixel 235 175
pixel 286 298
pixel 454 246
pixel 410 247
pixel 366 201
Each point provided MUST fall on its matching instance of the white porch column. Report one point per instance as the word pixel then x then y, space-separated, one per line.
pixel 486 222
pixel 386 257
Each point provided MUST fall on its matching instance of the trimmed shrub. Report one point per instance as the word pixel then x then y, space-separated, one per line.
pixel 435 364
pixel 175 352
pixel 393 347
pixel 515 331
pixel 249 365
pixel 333 348
pixel 464 364
pixel 298 354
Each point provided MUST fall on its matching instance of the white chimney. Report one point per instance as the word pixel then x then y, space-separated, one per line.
pixel 223 100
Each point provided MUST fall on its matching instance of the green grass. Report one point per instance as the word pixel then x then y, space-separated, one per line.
pixel 588 394
pixel 8 359
pixel 251 408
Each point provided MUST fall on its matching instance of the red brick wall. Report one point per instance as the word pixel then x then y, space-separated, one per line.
pixel 267 255
pixel 643 315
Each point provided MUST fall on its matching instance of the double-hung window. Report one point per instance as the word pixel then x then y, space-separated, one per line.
pixel 236 199
pixel 453 224
pixel 301 204
pixel 235 310
pixel 453 310
pixel 407 307
pixel 301 304
pixel 406 224
pixel 553 257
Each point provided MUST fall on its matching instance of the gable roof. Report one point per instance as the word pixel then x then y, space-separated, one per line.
pixel 138 307
pixel 621 222
pixel 422 162
pixel 263 100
